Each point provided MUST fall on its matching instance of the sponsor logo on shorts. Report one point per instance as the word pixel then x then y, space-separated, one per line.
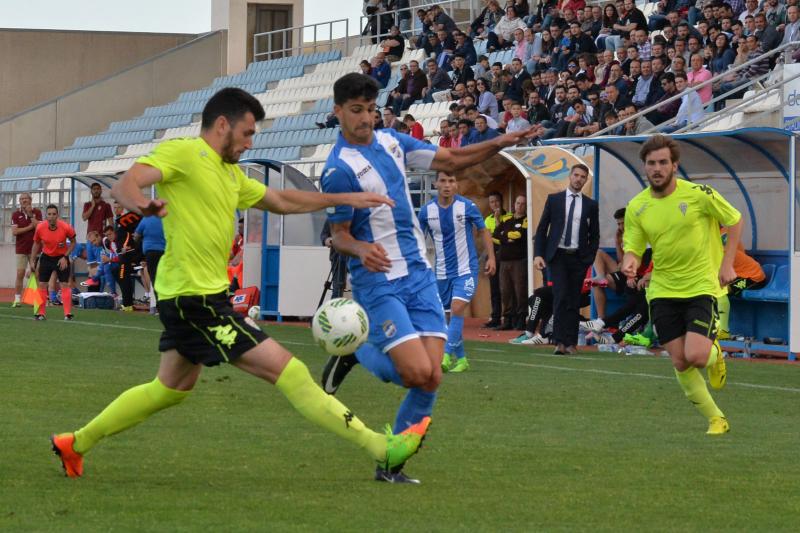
pixel 389 329
pixel 469 287
pixel 225 335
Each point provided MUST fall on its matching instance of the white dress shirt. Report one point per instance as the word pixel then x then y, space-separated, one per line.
pixel 576 219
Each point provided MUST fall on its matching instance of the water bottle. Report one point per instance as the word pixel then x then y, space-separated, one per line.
pixel 607 348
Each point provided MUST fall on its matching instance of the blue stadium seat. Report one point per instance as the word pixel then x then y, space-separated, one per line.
pixel 150 123
pixel 176 108
pixel 776 290
pixel 114 139
pixel 41 170
pixel 288 153
pixel 79 155
pixel 297 122
pixel 323 106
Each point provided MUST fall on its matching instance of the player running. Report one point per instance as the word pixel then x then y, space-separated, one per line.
pixel 681 222
pixel 450 220
pixel 390 274
pixel 200 175
pixel 56 240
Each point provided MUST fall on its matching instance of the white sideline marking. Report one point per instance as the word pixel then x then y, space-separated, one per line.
pixel 493 350
pixel 634 374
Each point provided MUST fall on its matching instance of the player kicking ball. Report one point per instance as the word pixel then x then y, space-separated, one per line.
pixel 201 175
pixel 681 222
pixel 450 220
pixel 390 274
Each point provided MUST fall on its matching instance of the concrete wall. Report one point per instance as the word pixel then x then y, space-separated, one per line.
pixel 39 65
pixel 89 110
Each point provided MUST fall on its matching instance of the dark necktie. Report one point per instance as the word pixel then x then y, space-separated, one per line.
pixel 568 236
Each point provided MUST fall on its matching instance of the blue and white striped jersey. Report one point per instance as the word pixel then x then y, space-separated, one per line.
pixel 380 168
pixel 451 229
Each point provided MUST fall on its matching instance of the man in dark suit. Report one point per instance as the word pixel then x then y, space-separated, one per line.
pixel 567 240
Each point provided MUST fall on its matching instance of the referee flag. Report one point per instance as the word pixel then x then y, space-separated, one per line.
pixel 31 294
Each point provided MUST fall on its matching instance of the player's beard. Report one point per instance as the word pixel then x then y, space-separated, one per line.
pixel 663 187
pixel 228 155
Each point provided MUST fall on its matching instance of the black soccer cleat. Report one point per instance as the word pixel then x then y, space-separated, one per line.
pixel 68 317
pixel 394 476
pixel 39 317
pixel 336 369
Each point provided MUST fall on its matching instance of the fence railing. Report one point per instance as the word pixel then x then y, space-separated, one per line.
pixel 293 40
pixel 382 29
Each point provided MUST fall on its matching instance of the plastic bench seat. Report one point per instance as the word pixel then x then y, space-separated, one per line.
pixel 777 290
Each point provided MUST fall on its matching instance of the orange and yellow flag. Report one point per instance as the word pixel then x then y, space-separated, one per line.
pixel 31 294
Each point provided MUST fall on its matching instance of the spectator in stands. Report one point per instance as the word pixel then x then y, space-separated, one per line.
pixel 389 118
pixel 381 70
pixel 698 75
pixel 331 121
pixel 433 47
pixel 579 43
pixel 438 80
pixel 403 15
pixel 691 107
pixel 487 102
pixel 666 110
pixel 466 132
pixel 377 120
pixel 638 125
pixel 23 225
pixel 536 110
pixel 616 79
pixel 657 18
pixel 409 89
pixel 582 121
pixel 518 122
pixel 403 128
pixel 614 98
pixel 461 72
pixel 610 18
pixel 482 130
pixel 751 11
pixel 744 76
pixel 512 234
pixel 791 32
pixel 518 75
pixel 775 13
pixel 442 20
pixel 486 21
pixel 366 67
pixel 767 35
pixel 631 20
pixel 503 34
pixel 414 127
pixel 445 138
pixel 723 55
pixel 465 48
pixel 482 68
pixel 97 212
pixel 678 65
pixel 394 45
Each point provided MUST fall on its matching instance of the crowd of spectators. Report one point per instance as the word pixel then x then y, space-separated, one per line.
pixel 579 69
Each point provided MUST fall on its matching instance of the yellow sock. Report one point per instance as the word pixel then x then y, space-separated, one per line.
pixel 694 386
pixel 131 407
pixel 724 313
pixel 713 355
pixel 324 410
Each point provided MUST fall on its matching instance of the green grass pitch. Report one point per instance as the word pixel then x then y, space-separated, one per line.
pixel 524 441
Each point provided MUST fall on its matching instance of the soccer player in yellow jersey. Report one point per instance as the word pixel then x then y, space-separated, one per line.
pixel 681 222
pixel 199 187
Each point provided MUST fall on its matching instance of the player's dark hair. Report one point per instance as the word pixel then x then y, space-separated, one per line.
pixel 232 103
pixel 619 214
pixel 95 184
pixel 498 194
pixel 657 142
pixel 580 166
pixel 51 206
pixel 353 86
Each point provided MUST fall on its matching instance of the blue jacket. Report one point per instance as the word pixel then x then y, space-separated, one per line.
pixel 382 73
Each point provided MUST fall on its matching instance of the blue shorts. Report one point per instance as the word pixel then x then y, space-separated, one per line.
pixel 402 309
pixel 460 288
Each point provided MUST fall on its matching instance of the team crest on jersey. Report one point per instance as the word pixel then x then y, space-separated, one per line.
pixel 460 218
pixel 389 329
pixel 683 207
pixel 394 148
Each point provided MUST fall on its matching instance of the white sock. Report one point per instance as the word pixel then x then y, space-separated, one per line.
pixel 17 297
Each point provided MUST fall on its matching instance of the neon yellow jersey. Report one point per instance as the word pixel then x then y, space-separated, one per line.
pixel 683 230
pixel 203 194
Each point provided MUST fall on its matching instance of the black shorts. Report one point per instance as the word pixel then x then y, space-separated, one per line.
pixel 205 329
pixel 48 265
pixel 674 317
pixel 742 284
pixel 620 281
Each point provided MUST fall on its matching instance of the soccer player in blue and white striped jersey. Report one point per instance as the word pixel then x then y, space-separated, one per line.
pixel 451 220
pixel 390 274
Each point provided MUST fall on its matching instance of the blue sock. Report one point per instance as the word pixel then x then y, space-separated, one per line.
pixel 455 336
pixel 379 363
pixel 416 405
pixel 53 296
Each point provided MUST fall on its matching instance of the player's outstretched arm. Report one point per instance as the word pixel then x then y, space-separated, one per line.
pixel 128 191
pixel 290 201
pixel 372 255
pixel 452 159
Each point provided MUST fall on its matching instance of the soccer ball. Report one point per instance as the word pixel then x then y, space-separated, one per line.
pixel 340 326
pixel 254 312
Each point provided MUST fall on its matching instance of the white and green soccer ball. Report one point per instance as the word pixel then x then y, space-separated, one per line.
pixel 340 326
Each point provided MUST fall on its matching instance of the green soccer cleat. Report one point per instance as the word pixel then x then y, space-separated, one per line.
pixel 462 365
pixel 16 304
pixel 447 362
pixel 401 447
pixel 637 340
